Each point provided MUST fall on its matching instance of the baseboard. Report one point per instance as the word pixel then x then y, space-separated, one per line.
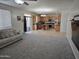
pixel 73 47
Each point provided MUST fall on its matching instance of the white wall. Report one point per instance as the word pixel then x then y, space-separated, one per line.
pixel 64 18
pixel 66 27
pixel 69 33
pixel 18 25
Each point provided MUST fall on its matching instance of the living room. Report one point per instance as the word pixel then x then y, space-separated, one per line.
pixel 49 24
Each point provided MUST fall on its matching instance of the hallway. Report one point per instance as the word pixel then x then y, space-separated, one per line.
pixel 40 45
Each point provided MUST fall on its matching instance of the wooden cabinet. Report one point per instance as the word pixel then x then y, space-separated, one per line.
pixel 57 28
pixel 56 18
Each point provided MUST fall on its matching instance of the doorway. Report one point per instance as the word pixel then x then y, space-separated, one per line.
pixel 27 23
pixel 47 23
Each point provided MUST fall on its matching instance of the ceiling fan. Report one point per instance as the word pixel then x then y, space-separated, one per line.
pixel 20 2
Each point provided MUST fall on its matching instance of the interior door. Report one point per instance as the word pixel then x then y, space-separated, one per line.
pixel 25 24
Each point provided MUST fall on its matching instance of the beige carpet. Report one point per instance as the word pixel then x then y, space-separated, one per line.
pixel 40 45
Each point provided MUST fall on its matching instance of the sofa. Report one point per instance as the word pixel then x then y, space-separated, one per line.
pixel 9 36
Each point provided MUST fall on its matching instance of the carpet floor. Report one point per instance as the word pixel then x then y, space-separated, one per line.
pixel 39 45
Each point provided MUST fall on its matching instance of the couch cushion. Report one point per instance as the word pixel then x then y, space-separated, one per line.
pixel 6 33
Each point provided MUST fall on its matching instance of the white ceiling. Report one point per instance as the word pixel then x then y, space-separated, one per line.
pixel 53 5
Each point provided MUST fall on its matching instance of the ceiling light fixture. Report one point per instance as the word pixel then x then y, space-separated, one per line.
pixel 27 15
pixel 43 10
pixel 43 15
pixel 19 1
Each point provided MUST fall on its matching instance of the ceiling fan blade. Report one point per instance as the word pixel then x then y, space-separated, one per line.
pixel 26 3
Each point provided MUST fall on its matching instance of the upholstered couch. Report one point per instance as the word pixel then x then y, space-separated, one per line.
pixel 8 36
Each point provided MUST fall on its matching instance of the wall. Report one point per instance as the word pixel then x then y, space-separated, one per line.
pixel 66 27
pixel 69 33
pixel 18 25
pixel 64 18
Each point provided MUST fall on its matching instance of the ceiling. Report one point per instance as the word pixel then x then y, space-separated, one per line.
pixel 46 6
